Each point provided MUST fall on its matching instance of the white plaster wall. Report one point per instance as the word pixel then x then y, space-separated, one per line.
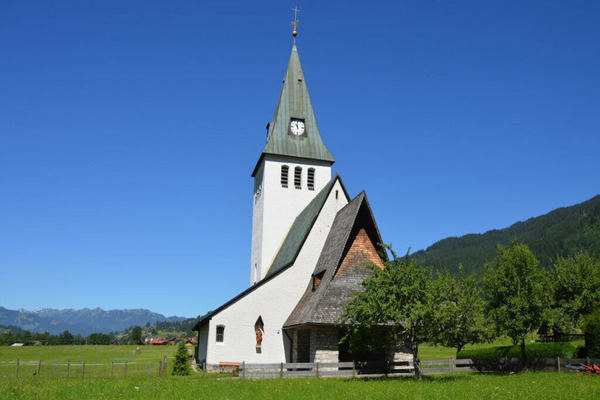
pixel 276 207
pixel 273 301
pixel 257 226
pixel 202 343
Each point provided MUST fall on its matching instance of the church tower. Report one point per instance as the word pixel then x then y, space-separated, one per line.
pixel 292 168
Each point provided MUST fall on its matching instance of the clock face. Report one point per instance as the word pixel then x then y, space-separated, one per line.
pixel 297 127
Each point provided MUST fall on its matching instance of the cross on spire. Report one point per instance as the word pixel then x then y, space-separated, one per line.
pixel 295 22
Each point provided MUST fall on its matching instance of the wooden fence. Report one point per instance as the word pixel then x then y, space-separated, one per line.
pixel 429 367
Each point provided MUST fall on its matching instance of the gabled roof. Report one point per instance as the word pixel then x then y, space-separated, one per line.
pixel 300 228
pixel 291 245
pixel 294 103
pixel 327 302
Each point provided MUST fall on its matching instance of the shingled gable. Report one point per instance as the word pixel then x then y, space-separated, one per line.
pixel 291 245
pixel 351 243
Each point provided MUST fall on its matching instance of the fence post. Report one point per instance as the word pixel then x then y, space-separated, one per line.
pixel 450 365
pixel 112 366
pixel 82 370
pixel 243 369
pixel 588 361
pixel 125 369
pixel 317 370
pixel 149 370
pixel 353 369
pixel 558 364
pixel 17 367
pixel 165 366
pixel 204 369
pixel 38 368
pixel 281 370
pixel 68 367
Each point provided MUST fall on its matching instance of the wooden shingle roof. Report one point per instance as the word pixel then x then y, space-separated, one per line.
pixel 350 245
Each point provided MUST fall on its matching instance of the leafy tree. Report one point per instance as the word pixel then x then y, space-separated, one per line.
pixel 460 311
pixel 592 334
pixel 136 335
pixel 181 364
pixel 98 338
pixel 518 297
pixel 66 337
pixel 576 283
pixel 398 303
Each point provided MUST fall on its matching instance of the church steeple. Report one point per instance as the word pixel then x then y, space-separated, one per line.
pixel 294 131
pixel 293 167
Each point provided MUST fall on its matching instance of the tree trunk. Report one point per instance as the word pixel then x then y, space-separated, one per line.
pixel 523 352
pixel 416 361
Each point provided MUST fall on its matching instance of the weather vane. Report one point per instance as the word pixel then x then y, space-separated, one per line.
pixel 295 22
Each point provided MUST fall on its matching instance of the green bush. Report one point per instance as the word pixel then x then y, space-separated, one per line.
pixel 581 352
pixel 534 350
pixel 181 366
pixel 592 334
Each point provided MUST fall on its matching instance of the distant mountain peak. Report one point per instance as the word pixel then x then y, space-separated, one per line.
pixel 80 322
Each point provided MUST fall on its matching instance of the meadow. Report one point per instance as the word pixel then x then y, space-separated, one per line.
pixel 52 382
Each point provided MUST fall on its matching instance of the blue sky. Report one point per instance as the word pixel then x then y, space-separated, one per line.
pixel 129 130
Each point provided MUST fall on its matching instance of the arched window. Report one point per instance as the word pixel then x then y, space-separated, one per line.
pixel 220 333
pixel 284 176
pixel 310 180
pixel 298 178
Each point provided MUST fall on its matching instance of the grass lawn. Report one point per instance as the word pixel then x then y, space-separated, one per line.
pixel 52 382
pixel 459 386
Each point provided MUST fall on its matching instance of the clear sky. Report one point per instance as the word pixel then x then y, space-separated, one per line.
pixel 129 130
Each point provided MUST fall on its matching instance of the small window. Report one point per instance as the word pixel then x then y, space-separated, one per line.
pixel 220 333
pixel 311 179
pixel 284 176
pixel 298 177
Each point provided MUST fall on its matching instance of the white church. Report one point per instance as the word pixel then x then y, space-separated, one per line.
pixel 310 244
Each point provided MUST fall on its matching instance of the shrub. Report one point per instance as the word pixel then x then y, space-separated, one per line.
pixel 181 365
pixel 581 352
pixel 592 334
pixel 534 350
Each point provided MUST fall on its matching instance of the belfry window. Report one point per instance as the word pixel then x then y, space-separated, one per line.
pixel 284 175
pixel 310 180
pixel 298 177
pixel 220 333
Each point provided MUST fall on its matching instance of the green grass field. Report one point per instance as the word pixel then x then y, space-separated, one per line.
pixel 52 382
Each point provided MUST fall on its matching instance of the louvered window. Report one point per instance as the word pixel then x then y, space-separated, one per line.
pixel 310 180
pixel 284 175
pixel 298 177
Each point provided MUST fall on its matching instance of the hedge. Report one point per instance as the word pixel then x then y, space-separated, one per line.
pixel 534 350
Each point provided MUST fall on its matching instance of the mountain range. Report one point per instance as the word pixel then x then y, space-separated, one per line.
pixel 562 232
pixel 79 322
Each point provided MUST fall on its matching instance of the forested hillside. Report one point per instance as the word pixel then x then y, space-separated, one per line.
pixel 562 232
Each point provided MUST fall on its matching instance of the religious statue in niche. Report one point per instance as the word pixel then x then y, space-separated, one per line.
pixel 258 337
pixel 259 327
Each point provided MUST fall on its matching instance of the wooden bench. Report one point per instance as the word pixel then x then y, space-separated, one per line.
pixel 229 367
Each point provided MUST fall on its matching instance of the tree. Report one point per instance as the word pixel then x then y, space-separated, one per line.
pixel 397 303
pixel 518 293
pixel 460 311
pixel 576 284
pixel 181 364
pixel 136 335
pixel 66 337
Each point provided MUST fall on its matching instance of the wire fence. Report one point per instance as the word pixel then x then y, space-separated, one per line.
pixel 117 368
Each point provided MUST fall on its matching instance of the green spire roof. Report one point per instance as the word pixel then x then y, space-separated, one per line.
pixel 294 104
